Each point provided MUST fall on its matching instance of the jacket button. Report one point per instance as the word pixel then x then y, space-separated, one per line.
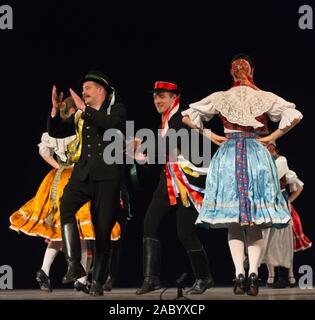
pixel 88 136
pixel 89 155
pixel 88 127
pixel 97 135
pixel 100 153
pixel 89 146
pixel 99 144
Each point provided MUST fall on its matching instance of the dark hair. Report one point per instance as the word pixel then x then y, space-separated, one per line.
pixel 245 57
pixel 66 105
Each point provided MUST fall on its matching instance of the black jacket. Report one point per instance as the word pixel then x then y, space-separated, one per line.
pixel 176 123
pixel 91 163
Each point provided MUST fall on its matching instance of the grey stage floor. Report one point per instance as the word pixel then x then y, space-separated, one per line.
pixel 218 293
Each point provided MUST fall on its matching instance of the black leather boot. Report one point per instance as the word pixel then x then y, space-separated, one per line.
pixel 108 286
pixel 113 265
pixel 99 270
pixel 283 279
pixel 72 251
pixel 96 289
pixel 151 265
pixel 200 265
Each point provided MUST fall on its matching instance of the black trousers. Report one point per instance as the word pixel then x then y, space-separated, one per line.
pixel 104 196
pixel 160 208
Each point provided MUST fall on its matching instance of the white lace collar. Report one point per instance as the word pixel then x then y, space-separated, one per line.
pixel 242 104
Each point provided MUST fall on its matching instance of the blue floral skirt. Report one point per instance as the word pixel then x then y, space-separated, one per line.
pixel 243 186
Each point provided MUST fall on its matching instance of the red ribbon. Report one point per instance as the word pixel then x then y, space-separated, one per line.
pixel 249 83
pixel 170 187
pixel 191 191
pixel 166 114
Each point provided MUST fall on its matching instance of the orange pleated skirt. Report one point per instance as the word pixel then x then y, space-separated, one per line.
pixel 37 217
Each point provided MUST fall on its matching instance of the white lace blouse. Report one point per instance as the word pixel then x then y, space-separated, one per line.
pixel 291 178
pixel 241 105
pixel 49 145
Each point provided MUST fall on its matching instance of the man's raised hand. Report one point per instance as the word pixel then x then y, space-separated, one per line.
pixel 77 100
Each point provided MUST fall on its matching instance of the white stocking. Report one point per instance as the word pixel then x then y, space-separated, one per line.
pixel 254 252
pixel 51 252
pixel 238 255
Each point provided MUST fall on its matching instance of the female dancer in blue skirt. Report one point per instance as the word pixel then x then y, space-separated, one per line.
pixel 242 188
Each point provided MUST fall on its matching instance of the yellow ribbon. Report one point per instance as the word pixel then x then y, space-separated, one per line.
pixel 75 146
pixel 183 193
pixel 189 171
pixel 181 187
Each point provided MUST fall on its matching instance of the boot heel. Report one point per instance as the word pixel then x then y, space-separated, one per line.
pixel 149 284
pixel 74 272
pixel 200 265
pixel 200 286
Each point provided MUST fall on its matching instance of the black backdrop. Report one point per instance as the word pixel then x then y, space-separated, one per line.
pixel 57 42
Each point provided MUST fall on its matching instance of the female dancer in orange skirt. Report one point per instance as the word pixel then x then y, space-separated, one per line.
pixel 40 216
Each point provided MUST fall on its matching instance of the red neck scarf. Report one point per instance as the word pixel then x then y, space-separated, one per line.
pixel 168 114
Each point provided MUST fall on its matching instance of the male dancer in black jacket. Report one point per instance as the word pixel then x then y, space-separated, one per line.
pixel 179 188
pixel 92 179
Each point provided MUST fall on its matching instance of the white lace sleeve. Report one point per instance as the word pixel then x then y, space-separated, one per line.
pixel 284 112
pixel 47 145
pixel 298 183
pixel 200 111
pixel 282 166
pixel 293 181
